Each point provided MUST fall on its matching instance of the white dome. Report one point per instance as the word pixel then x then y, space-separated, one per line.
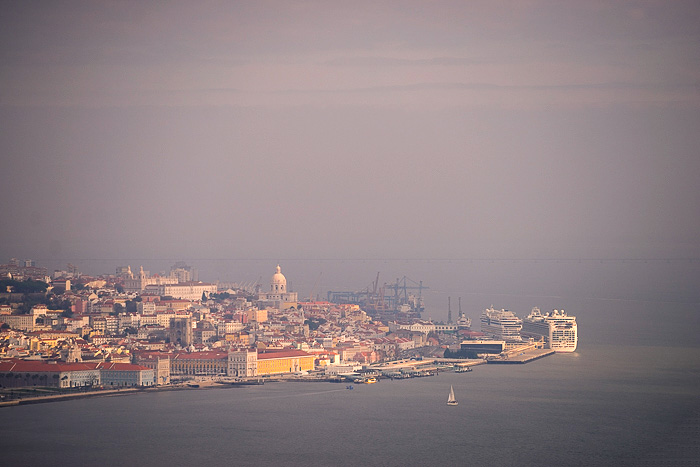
pixel 279 282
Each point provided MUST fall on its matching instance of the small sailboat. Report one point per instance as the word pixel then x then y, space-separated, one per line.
pixel 451 398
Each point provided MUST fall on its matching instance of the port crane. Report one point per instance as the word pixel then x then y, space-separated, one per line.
pixel 401 295
pixel 313 289
pixel 378 299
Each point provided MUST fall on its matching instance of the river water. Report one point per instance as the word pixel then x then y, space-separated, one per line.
pixel 603 405
pixel 630 395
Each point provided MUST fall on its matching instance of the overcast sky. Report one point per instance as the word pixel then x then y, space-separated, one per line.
pixel 529 129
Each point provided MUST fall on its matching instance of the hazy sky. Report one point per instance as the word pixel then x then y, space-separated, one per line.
pixel 428 129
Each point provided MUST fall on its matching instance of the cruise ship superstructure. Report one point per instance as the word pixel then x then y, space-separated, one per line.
pixel 502 324
pixel 463 322
pixel 558 329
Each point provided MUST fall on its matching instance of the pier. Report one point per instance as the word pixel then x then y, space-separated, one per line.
pixel 524 356
pixel 428 366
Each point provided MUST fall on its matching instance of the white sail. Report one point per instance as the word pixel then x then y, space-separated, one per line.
pixel 451 398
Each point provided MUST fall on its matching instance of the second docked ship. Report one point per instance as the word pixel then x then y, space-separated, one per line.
pixel 558 329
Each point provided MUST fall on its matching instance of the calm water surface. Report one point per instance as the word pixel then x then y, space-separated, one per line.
pixel 603 405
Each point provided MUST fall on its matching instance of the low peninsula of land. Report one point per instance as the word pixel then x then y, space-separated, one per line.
pixel 68 335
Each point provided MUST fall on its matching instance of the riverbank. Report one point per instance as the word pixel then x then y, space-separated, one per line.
pixel 103 393
pixel 201 383
pixel 406 368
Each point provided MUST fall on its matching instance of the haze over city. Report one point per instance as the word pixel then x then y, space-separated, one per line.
pixel 231 195
pixel 375 130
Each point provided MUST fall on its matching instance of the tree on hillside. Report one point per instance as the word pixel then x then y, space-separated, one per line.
pixel 23 287
pixel 131 306
pixel 117 308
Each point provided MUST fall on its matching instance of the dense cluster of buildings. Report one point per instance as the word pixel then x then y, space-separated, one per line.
pixel 138 329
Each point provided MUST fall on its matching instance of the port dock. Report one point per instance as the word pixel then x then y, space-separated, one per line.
pixel 524 356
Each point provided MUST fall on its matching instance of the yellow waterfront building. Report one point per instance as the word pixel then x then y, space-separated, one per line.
pixel 272 362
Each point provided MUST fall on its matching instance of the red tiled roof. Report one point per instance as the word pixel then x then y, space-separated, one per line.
pixel 121 366
pixel 35 366
pixel 37 333
pixel 210 355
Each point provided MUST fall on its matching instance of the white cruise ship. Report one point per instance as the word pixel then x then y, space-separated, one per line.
pixel 502 324
pixel 559 330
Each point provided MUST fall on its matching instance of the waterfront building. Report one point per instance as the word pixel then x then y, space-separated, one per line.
pixel 159 362
pixel 483 346
pixel 243 363
pixel 360 352
pixel 29 373
pixel 272 362
pixel 208 363
pixel 125 375
pixel 502 324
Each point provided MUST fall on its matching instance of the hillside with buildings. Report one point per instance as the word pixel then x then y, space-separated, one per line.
pixel 140 329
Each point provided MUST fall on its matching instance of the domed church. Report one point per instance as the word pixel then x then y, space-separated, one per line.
pixel 278 296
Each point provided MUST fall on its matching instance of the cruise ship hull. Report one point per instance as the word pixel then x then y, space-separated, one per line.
pixel 558 329
pixel 564 338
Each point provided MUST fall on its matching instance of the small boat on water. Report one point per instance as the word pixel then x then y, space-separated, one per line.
pixel 349 387
pixel 371 380
pixel 451 398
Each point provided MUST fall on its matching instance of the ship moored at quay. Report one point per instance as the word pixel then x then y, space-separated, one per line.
pixel 557 330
